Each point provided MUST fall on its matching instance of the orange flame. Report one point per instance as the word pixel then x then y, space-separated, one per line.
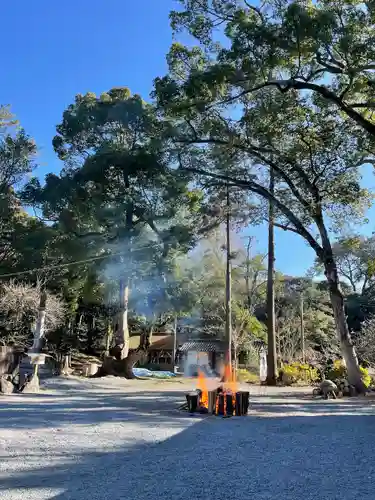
pixel 202 386
pixel 228 387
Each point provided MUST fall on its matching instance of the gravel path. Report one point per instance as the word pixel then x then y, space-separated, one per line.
pixel 114 439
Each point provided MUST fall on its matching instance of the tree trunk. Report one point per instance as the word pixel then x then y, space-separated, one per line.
pixel 65 365
pixel 343 334
pixel 131 361
pixel 39 329
pixel 338 306
pixel 122 333
pixel 175 343
pixel 108 338
pixel 146 338
pixel 125 360
pixel 271 337
pixel 90 334
pixel 278 348
pixel 302 328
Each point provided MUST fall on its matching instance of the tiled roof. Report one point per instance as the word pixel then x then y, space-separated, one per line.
pixel 202 346
pixel 165 343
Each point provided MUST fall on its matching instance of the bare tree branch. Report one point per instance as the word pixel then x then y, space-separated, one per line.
pixel 287 228
pixel 286 85
pixel 258 153
pixel 258 189
pixel 255 9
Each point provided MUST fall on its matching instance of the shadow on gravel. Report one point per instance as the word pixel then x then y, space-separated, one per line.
pixel 286 458
pixel 262 405
pixel 320 457
pixel 94 408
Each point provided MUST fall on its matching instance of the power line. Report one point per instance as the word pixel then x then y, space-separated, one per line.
pixel 77 262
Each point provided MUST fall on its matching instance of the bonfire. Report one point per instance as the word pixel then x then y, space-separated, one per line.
pixel 224 399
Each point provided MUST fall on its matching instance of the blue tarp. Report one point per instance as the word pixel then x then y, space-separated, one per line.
pixel 163 374
pixel 143 372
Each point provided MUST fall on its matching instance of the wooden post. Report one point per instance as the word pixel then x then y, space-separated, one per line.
pixel 271 352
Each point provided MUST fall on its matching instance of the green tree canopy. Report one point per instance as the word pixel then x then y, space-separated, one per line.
pixel 323 48
pixel 116 182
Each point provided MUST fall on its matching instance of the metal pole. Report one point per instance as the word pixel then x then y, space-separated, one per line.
pixel 228 287
pixel 302 330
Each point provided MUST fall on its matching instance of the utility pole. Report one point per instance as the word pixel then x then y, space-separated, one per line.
pixel 271 336
pixel 302 328
pixel 175 343
pixel 228 287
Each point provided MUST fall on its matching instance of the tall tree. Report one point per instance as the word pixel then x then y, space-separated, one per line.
pixel 118 191
pixel 314 154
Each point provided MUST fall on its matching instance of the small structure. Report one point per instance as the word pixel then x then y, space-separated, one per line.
pixel 207 355
pixel 190 354
pixel 161 352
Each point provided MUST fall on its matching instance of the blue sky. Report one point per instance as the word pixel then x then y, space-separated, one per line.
pixel 59 49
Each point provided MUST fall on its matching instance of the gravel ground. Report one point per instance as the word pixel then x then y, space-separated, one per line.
pixel 114 439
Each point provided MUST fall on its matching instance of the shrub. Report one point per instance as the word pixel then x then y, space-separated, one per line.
pixel 366 377
pixel 290 374
pixel 294 373
pixel 338 371
pixel 243 375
